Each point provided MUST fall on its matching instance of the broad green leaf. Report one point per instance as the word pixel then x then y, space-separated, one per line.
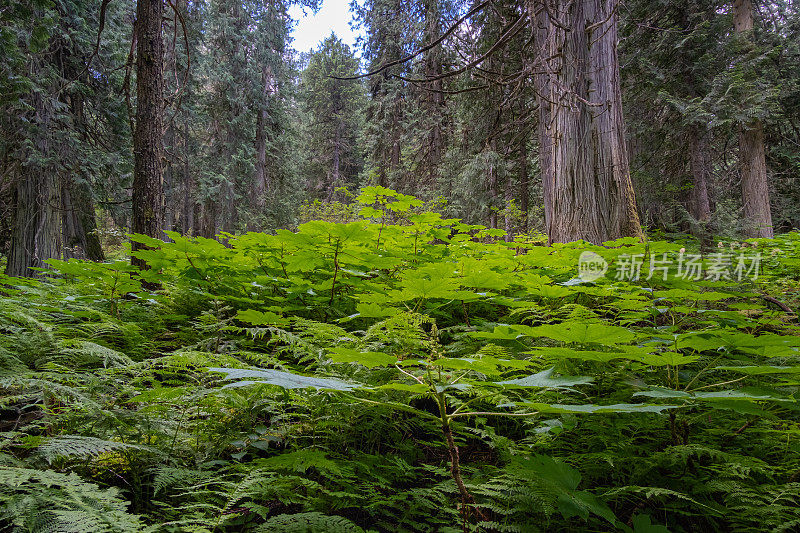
pixel 287 380
pixel 367 359
pixel 583 332
pixel 759 370
pixel 544 380
pixel 605 409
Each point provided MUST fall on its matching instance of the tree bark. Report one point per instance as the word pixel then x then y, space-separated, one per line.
pixel 493 196
pixel 508 196
pixel 79 222
pixel 261 184
pixel 698 203
pixel 36 231
pixel 700 168
pixel 148 194
pixel 433 98
pixel 189 202
pixel 335 170
pixel 36 234
pixel 588 193
pixel 524 181
pixel 756 210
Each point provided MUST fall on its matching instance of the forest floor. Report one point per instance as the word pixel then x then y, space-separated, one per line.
pixel 404 372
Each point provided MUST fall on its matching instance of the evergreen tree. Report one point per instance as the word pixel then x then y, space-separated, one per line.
pixel 332 109
pixel 62 129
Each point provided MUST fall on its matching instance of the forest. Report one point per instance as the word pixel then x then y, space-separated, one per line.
pixel 494 266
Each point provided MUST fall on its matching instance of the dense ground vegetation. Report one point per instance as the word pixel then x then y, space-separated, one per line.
pixel 403 372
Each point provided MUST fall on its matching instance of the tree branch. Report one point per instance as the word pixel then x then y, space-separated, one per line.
pixel 422 50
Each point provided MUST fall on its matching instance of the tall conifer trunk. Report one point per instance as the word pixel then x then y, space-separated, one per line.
pixel 36 231
pixel 588 192
pixel 752 161
pixel 261 184
pixel 524 181
pixel 148 193
pixel 700 168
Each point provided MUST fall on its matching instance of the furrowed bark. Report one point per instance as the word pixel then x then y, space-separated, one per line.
pixel 148 194
pixel 756 210
pixel 588 193
pixel 37 226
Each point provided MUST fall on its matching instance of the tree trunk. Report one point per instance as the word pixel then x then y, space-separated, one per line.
pixel 588 192
pixel 209 219
pixel 79 222
pixel 524 182
pixel 36 234
pixel 169 180
pixel 36 231
pixel 493 190
pixel 433 98
pixel 189 202
pixel 148 194
pixel 261 184
pixel 752 162
pixel 700 168
pixel 508 196
pixel 698 204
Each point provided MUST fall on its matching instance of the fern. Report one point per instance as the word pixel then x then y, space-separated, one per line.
pixel 47 501
pixel 308 523
pixel 80 446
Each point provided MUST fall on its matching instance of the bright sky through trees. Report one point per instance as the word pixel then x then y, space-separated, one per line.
pixel 334 16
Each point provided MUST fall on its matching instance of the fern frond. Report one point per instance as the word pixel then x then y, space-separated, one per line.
pixel 80 446
pixel 308 523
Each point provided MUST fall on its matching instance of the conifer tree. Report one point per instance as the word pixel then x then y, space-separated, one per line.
pixel 332 107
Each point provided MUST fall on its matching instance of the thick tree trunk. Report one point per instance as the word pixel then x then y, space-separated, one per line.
pixel 36 234
pixel 698 204
pixel 208 220
pixel 36 230
pixel 169 180
pixel 755 185
pixel 148 194
pixel 752 161
pixel 586 179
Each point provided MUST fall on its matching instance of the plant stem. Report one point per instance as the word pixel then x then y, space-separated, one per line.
pixel 467 500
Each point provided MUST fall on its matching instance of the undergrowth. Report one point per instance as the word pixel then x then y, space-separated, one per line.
pixel 401 372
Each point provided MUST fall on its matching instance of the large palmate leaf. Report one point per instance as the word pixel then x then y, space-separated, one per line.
pixel 544 380
pixel 640 354
pixel 660 392
pixel 582 332
pixel 287 380
pixel 763 345
pixel 259 318
pixel 754 370
pixel 601 409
